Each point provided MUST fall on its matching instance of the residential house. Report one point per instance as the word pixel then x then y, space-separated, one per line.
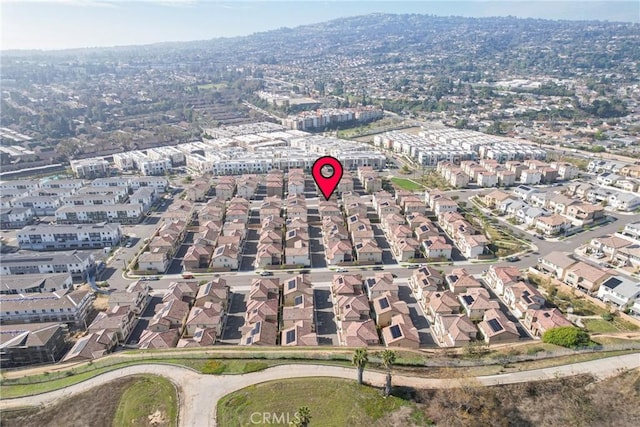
pixel 556 264
pixel 299 334
pixel 496 328
pixel 540 321
pixel 225 257
pixel 359 334
pixel 119 319
pixel 92 346
pixel 208 316
pixel 500 278
pixel 380 284
pixel 585 277
pixel 214 291
pixel 552 225
pixel 619 290
pixel 476 301
pixel 453 330
pixel 522 297
pixel 401 333
pixel 299 285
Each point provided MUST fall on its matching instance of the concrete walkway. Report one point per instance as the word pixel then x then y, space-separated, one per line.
pixel 199 394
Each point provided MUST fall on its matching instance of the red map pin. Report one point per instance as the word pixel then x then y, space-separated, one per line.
pixel 327 184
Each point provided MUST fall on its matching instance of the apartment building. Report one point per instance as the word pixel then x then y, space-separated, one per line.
pixel 131 213
pixel 43 237
pixel 71 308
pixel 77 263
pixel 90 168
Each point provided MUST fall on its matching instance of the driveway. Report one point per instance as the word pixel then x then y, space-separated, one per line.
pixel 200 393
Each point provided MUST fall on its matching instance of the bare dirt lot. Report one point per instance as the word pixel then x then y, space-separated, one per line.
pixel 96 408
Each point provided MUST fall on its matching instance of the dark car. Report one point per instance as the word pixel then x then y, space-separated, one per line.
pixel 513 259
pixel 378 268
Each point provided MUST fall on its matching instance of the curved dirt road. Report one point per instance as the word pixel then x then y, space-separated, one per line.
pixel 200 393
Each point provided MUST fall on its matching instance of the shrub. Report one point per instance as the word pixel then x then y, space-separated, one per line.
pixel 607 316
pixel 567 336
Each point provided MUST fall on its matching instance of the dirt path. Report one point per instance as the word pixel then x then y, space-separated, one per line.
pixel 200 393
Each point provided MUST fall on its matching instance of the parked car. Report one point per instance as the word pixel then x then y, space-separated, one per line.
pixel 266 273
pixel 378 268
pixel 342 270
pixel 513 259
pixel 153 278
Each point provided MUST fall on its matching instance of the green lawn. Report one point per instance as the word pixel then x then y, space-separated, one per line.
pixel 406 184
pixel 332 402
pixel 150 396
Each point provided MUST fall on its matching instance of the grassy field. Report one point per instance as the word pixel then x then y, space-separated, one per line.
pixel 332 402
pixel 432 179
pixel 603 326
pixel 151 400
pixel 406 184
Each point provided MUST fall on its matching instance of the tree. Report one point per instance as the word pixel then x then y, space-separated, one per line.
pixel 360 360
pixel 303 417
pixel 567 336
pixel 388 359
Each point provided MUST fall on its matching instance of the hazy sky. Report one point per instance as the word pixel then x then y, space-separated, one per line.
pixel 59 24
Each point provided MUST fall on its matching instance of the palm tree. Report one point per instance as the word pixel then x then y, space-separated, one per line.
pixel 303 416
pixel 360 360
pixel 388 359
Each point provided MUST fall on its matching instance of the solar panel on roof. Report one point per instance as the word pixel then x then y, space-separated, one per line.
pixel 395 331
pixel 384 303
pixel 290 336
pixel 525 297
pixel 495 325
pixel 468 299
pixel 612 283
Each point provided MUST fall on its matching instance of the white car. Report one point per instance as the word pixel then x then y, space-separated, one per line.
pixel 342 270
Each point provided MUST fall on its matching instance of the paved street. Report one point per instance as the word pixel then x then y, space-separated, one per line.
pixel 200 393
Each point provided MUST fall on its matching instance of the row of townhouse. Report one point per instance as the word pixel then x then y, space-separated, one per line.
pixel 370 179
pixel 391 314
pixel 549 213
pixel 43 237
pixel 65 306
pixel 113 326
pixel 620 200
pixel 169 321
pixel 145 164
pixel 270 249
pixel 351 307
pixel 362 235
pixel 403 244
pixel 298 323
pixel 296 242
pixel 261 317
pixel 466 238
pixel 295 181
pixel 335 236
pixel 32 344
pixel 226 254
pixel 491 173
pixel 162 246
pixel 622 291
pixel 77 263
